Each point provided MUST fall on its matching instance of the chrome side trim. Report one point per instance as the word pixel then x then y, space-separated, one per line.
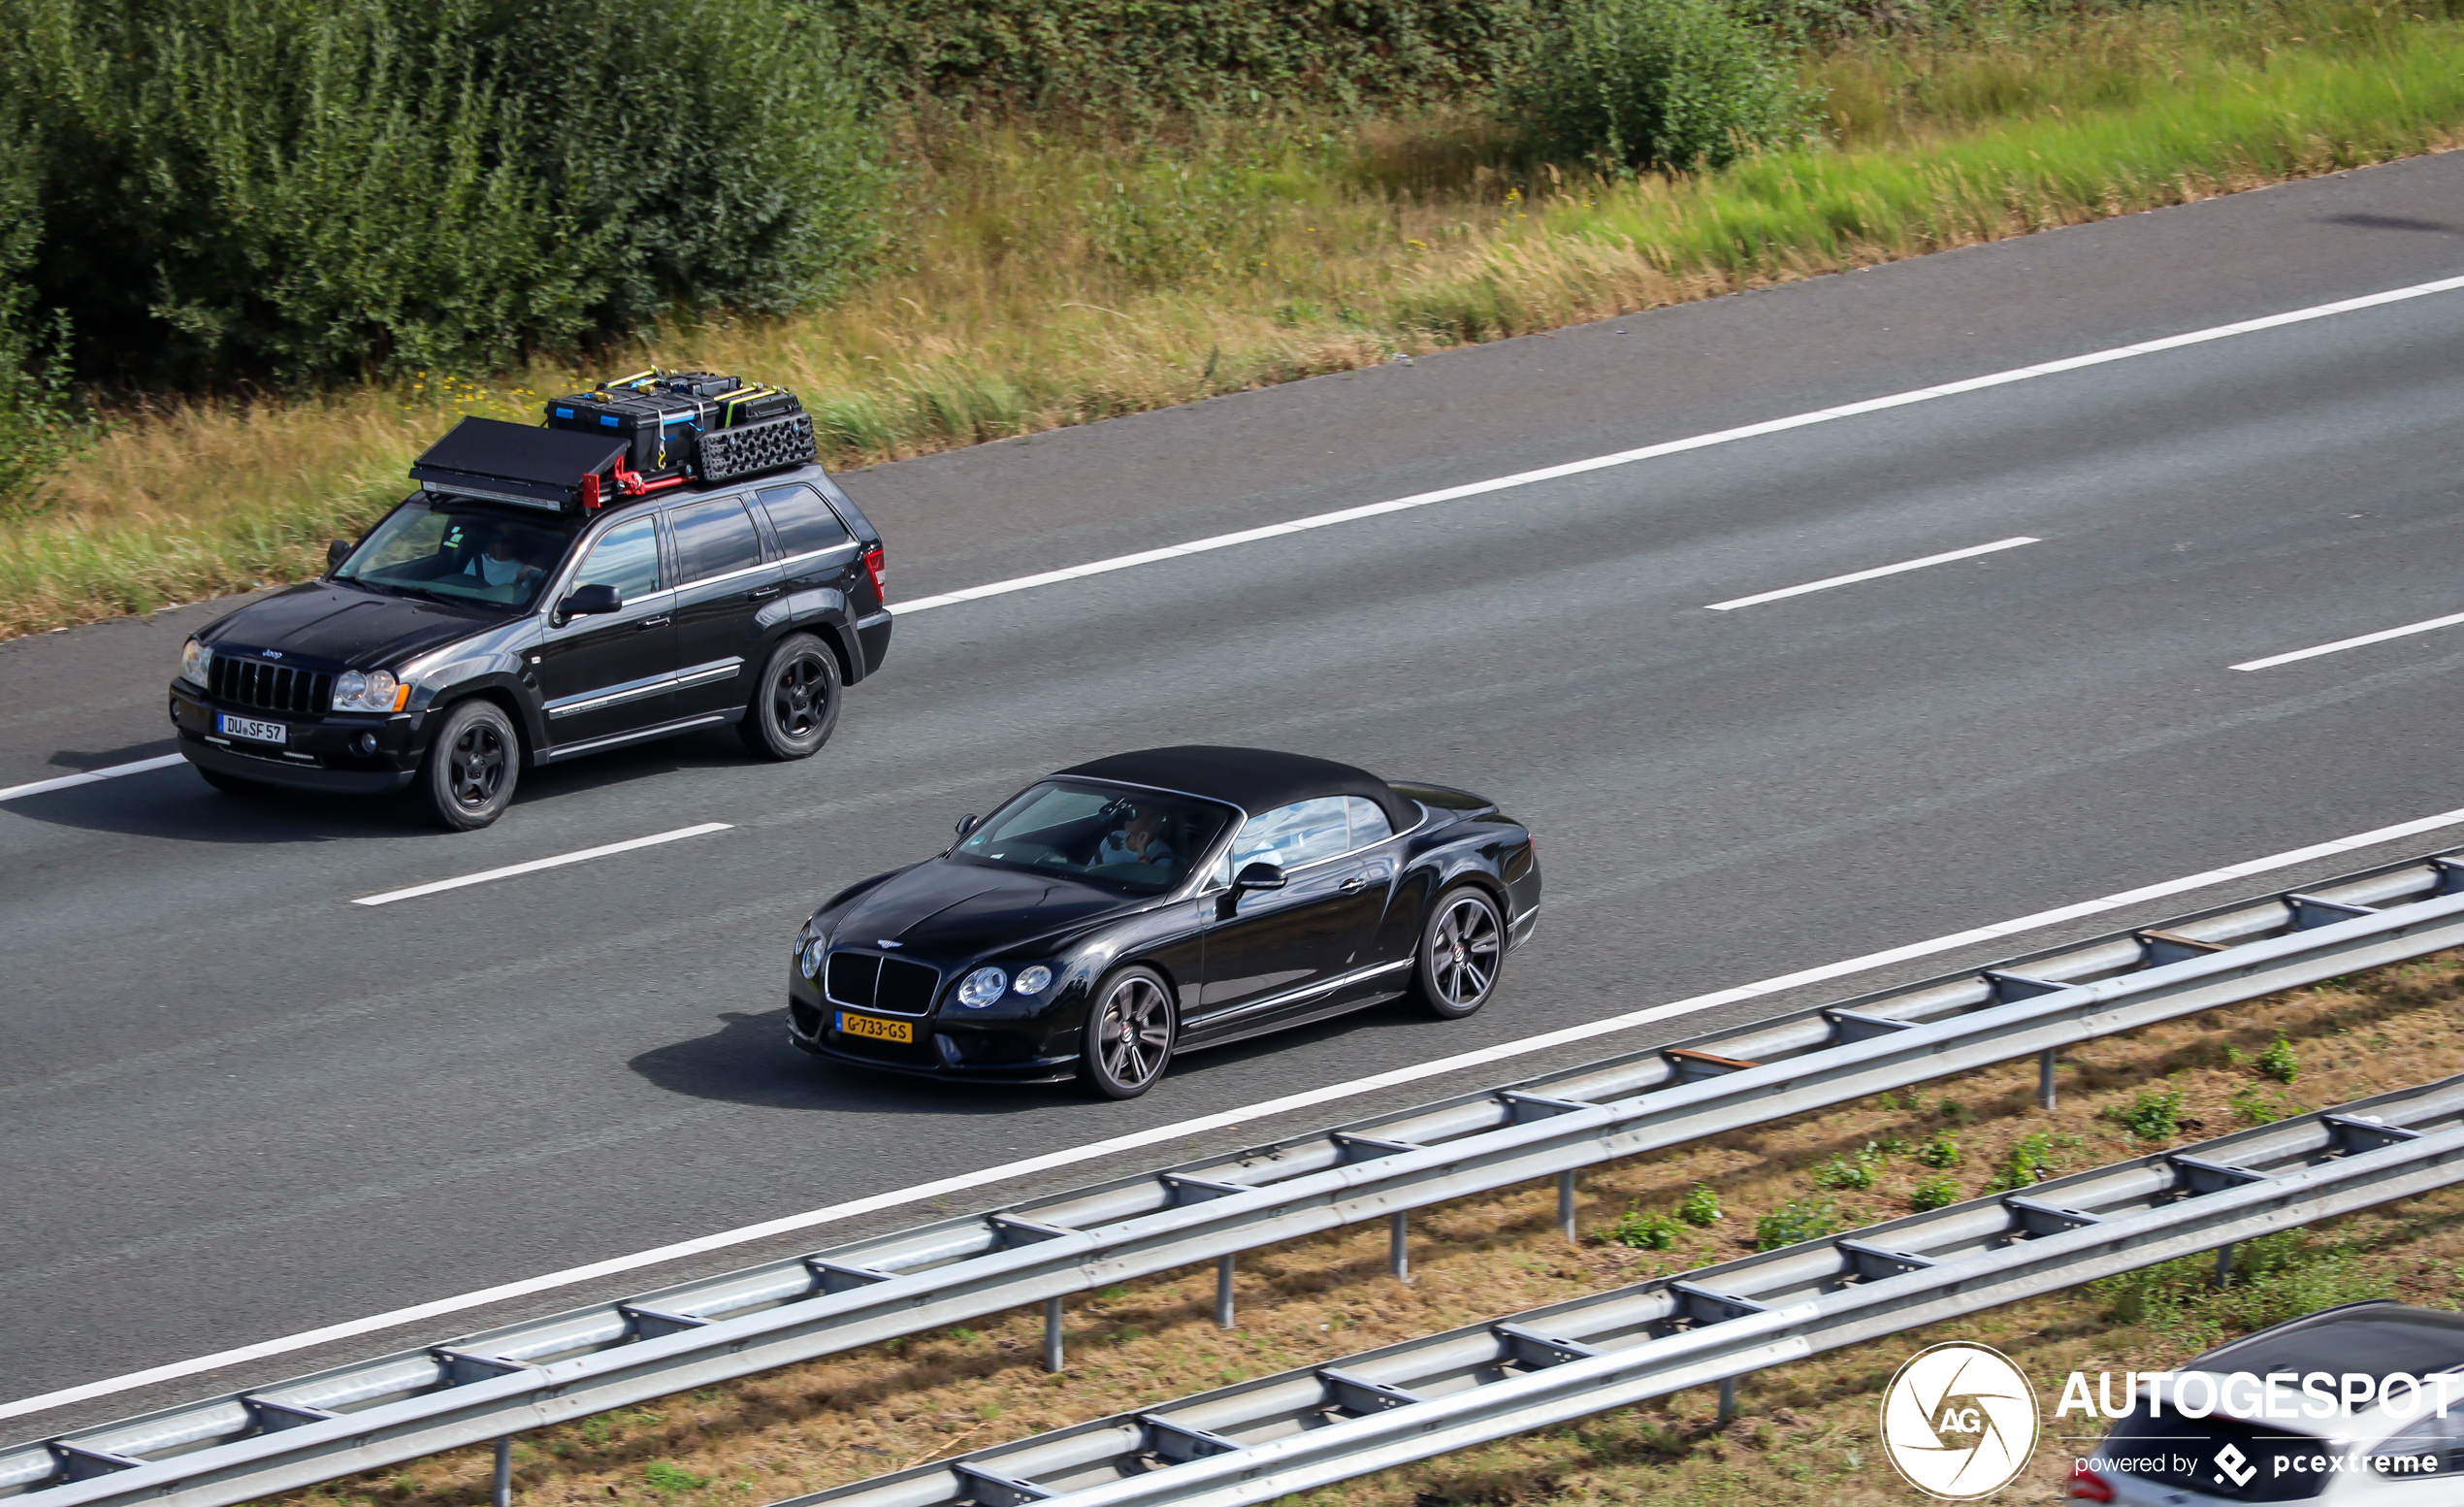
pixel 716 669
pixel 686 724
pixel 592 700
pixel 1325 986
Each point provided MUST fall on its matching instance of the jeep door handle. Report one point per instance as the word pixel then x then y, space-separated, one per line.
pixel 661 621
pixel 765 594
pixel 1354 885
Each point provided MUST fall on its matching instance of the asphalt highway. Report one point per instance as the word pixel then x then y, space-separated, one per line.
pixel 235 1105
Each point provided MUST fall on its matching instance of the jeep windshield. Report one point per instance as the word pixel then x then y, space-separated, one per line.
pixel 454 550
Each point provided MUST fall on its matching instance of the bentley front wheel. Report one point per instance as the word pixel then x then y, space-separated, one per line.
pixel 1130 1033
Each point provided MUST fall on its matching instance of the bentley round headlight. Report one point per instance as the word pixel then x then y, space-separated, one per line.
pixel 1034 980
pixel 813 951
pixel 195 661
pixel 981 986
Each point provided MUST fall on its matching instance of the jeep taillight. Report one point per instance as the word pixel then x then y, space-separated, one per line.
pixel 875 566
pixel 2086 1486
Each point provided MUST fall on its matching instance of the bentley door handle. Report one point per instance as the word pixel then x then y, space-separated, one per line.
pixel 661 621
pixel 1354 885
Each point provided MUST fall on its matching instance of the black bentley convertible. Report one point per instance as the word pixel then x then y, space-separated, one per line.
pixel 1148 903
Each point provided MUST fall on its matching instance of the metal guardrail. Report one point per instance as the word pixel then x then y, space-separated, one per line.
pixel 1313 1425
pixel 377 1413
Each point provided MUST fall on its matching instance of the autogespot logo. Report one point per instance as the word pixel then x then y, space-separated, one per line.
pixel 1959 1420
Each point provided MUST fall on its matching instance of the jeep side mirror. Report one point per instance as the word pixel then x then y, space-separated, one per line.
pixel 969 822
pixel 590 602
pixel 1259 876
pixel 336 553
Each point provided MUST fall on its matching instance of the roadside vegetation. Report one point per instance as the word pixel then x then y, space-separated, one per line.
pixel 220 347
pixel 1806 1434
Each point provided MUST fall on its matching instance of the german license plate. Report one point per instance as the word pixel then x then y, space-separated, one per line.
pixel 250 727
pixel 878 1029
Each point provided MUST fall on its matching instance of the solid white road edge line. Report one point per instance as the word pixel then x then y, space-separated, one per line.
pixel 2380 636
pixel 1181 1130
pixel 1677 446
pixel 1828 582
pixel 91 776
pixel 1573 468
pixel 537 863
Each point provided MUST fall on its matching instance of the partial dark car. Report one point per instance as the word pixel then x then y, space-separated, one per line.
pixel 2325 1444
pixel 1121 912
pixel 468 635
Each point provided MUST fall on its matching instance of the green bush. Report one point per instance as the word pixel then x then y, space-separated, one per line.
pixel 2278 1062
pixel 2152 1115
pixel 2030 1162
pixel 2263 1106
pixel 1628 84
pixel 1700 1207
pixel 1645 1232
pixel 669 1479
pixel 1940 1153
pixel 2274 1278
pixel 40 418
pixel 1856 1170
pixel 311 189
pixel 1934 1193
pixel 1798 1219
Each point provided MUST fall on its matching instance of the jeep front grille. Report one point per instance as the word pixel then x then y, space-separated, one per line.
pixel 262 683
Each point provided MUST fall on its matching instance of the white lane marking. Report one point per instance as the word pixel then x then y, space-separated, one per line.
pixel 1181 1129
pixel 1676 446
pixel 1828 583
pixel 91 776
pixel 537 863
pixel 2380 636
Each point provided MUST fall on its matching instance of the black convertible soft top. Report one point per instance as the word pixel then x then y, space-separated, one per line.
pixel 1255 780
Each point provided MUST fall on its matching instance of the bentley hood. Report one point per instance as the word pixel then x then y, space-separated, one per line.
pixel 345 625
pixel 950 911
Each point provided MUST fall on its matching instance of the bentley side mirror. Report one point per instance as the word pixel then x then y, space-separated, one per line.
pixel 336 553
pixel 1259 876
pixel 590 602
pixel 969 822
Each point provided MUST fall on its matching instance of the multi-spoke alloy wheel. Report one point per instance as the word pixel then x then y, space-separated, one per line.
pixel 1460 950
pixel 469 777
pixel 794 703
pixel 1129 1034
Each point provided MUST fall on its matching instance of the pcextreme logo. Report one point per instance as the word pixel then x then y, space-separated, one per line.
pixel 1958 1421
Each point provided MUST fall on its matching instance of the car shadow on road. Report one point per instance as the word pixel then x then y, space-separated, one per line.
pixel 176 804
pixel 748 1061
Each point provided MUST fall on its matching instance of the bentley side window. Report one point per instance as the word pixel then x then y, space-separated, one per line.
pixel 1290 836
pixel 1368 821
pixel 627 558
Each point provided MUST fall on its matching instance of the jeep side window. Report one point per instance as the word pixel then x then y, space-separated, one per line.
pixel 627 558
pixel 712 539
pixel 805 523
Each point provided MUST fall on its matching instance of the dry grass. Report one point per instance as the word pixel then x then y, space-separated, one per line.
pixel 1053 279
pixel 1805 1434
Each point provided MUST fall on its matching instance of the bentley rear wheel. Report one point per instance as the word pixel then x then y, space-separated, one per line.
pixel 1461 948
pixel 1130 1033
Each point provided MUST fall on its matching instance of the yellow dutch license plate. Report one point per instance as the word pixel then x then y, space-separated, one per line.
pixel 878 1029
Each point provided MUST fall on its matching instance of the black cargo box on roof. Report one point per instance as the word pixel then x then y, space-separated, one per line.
pixel 516 463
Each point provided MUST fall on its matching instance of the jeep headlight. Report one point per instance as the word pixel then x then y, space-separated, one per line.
pixel 196 662
pixel 981 986
pixel 375 691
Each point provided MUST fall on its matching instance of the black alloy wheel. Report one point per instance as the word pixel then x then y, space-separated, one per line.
pixel 1461 948
pixel 794 703
pixel 468 779
pixel 1129 1034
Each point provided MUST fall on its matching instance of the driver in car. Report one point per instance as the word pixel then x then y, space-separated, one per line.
pixel 1138 840
pixel 497 565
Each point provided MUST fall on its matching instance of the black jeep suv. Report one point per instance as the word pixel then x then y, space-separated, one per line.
pixel 465 637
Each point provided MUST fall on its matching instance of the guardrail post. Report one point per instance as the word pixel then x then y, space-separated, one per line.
pixel 1223 1291
pixel 1728 1398
pixel 2225 1263
pixel 504 1490
pixel 2045 1064
pixel 1398 1247
pixel 1566 1203
pixel 1052 1334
